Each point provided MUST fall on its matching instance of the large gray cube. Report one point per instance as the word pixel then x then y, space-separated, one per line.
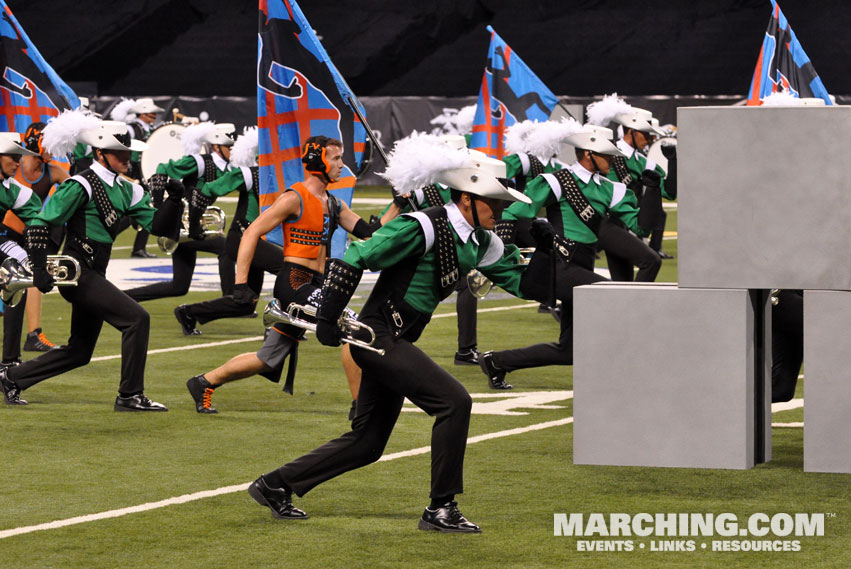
pixel 765 197
pixel 665 376
pixel 827 390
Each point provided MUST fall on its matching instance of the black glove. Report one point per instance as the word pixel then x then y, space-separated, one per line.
pixel 543 234
pixel 242 294
pixel 42 280
pixel 669 151
pixel 505 229
pixel 651 179
pixel 400 201
pixel 156 186
pixel 328 333
pixel 174 189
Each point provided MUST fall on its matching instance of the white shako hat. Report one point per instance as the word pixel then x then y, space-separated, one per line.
pixel 455 141
pixel 603 131
pixel 595 142
pixel 10 143
pixel 640 120
pixel 111 135
pixel 223 134
pixel 146 105
pixel 421 159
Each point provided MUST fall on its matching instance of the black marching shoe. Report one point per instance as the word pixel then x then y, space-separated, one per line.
pixel 37 342
pixel 6 364
pixel 138 402
pixel 187 323
pixel 279 500
pixel 447 518
pixel 468 357
pixel 496 375
pixel 142 254
pixel 664 255
pixel 201 391
pixel 11 391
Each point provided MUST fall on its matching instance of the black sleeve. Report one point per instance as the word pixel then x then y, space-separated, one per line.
pixel 362 229
pixel 167 220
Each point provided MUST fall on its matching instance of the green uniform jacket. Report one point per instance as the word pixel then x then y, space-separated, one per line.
pixel 236 179
pixel 637 163
pixel 411 235
pixel 75 194
pixel 604 196
pixel 518 165
pixel 20 199
pixel 192 166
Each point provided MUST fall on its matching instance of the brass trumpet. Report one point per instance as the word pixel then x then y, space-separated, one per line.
pixel 480 285
pixel 212 222
pixel 274 314
pixel 16 277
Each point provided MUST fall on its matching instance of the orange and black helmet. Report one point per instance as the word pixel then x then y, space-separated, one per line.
pixel 33 138
pixel 313 157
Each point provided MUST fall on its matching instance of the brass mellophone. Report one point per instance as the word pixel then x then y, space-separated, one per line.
pixel 212 222
pixel 480 285
pixel 16 277
pixel 274 314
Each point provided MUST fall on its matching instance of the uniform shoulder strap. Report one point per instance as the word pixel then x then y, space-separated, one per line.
pixel 448 271
pixel 106 210
pixel 577 200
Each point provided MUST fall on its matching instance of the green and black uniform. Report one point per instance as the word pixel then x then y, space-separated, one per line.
pixel 139 130
pixel 194 171
pixel 548 192
pixel 398 309
pixel 268 257
pixel 523 168
pixel 26 205
pixel 95 299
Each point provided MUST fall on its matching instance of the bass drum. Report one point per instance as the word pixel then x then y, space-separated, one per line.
pixel 655 152
pixel 163 145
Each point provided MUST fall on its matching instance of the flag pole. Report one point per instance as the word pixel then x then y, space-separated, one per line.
pixel 353 103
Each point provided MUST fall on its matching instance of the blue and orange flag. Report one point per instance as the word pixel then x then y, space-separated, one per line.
pixel 510 93
pixel 300 94
pixel 30 90
pixel 783 66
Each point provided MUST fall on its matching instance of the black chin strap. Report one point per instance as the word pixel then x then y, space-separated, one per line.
pixel 476 222
pixel 105 162
pixel 596 169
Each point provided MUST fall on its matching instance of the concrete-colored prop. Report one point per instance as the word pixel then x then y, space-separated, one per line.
pixel 827 388
pixel 665 376
pixel 764 197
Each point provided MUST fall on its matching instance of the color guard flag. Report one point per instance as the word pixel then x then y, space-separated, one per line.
pixel 30 90
pixel 300 94
pixel 510 93
pixel 783 65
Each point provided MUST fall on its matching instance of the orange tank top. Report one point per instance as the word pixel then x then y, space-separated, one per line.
pixel 304 235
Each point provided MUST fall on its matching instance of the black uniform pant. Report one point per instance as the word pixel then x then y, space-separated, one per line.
pixel 404 371
pixel 658 232
pixel 579 272
pixel 787 344
pixel 624 250
pixel 183 266
pixel 267 258
pixel 465 307
pixel 93 301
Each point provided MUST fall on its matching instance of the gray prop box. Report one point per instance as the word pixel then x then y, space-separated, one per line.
pixel 665 376
pixel 765 197
pixel 827 390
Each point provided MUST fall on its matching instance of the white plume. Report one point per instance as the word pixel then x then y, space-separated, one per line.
pixel 121 111
pixel 417 159
pixel 603 112
pixel 541 139
pixel 515 136
pixel 454 121
pixel 62 132
pixel 244 150
pixel 192 137
pixel 781 99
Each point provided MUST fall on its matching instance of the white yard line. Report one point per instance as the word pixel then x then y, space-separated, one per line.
pixel 240 487
pixel 258 338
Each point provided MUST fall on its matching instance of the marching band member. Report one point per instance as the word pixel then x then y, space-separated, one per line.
pixel 23 204
pixel 194 170
pixel 308 215
pixel 91 204
pixel 268 257
pixel 140 116
pixel 576 200
pixel 420 256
